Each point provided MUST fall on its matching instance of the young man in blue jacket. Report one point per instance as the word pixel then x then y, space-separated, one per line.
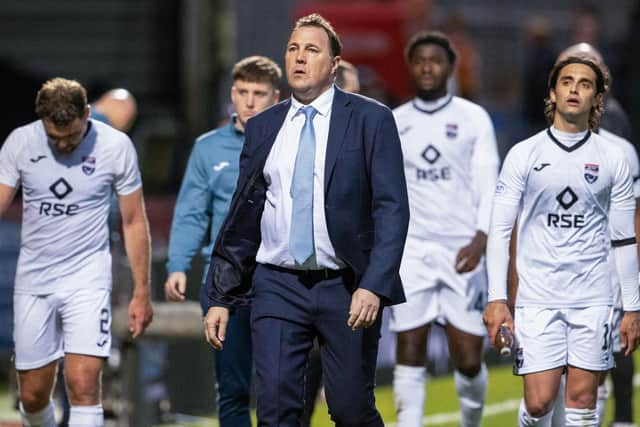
pixel 207 187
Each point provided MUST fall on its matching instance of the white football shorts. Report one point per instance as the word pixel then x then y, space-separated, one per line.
pixel 548 338
pixel 48 326
pixel 615 333
pixel 441 304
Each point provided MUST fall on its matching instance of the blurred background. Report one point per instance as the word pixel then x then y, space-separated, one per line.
pixel 175 57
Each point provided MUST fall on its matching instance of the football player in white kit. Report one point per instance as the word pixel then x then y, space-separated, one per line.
pixel 571 191
pixel 451 166
pixel 69 166
pixel 622 373
pixel 624 379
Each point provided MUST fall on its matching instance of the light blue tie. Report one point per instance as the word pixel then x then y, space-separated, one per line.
pixel 301 238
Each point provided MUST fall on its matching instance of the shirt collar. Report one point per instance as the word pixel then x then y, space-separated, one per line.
pixel 432 106
pixel 232 125
pixel 322 104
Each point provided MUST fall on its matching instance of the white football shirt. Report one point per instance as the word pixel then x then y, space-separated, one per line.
pixel 631 156
pixel 451 166
pixel 66 200
pixel 565 196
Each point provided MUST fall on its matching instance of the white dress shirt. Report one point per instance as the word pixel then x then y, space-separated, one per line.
pixel 278 173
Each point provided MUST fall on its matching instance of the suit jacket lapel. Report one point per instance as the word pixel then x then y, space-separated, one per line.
pixel 278 114
pixel 340 116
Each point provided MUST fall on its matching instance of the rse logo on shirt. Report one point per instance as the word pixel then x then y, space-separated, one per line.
pixel 432 155
pixel 566 199
pixel 60 189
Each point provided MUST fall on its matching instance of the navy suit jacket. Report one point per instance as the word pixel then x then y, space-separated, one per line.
pixel 366 206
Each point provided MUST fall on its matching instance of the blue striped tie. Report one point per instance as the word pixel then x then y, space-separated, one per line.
pixel 301 238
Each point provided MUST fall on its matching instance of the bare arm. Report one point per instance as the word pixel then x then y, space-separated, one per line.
pixel 6 196
pixel 138 246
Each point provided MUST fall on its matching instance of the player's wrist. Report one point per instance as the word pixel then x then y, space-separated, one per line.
pixel 142 293
pixel 480 240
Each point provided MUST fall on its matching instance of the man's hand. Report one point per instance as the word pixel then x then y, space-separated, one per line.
pixel 469 256
pixel 495 315
pixel 630 331
pixel 175 286
pixel 364 309
pixel 140 314
pixel 215 326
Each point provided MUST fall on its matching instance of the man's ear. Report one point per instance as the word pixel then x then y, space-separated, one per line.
pixel 232 93
pixel 335 62
pixel 552 95
pixel 599 98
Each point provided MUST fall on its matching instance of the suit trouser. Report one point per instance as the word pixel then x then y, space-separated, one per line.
pixel 233 367
pixel 312 384
pixel 287 313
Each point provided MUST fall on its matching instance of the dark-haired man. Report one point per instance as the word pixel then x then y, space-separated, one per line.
pixel 572 192
pixel 203 202
pixel 69 166
pixel 314 237
pixel 451 164
pixel 613 125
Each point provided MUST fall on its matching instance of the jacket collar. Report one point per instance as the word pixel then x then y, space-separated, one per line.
pixel 340 117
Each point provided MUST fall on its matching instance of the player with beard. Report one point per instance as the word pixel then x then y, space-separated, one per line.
pixel 451 164
pixel 69 167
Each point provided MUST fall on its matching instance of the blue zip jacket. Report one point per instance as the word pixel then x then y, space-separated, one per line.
pixel 205 194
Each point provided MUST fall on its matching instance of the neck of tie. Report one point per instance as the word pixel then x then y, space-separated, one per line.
pixel 301 236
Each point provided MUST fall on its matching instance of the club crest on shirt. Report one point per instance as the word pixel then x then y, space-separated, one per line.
pixel 451 130
pixel 88 165
pixel 591 172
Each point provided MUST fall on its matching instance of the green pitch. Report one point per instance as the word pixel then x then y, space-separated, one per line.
pixel 441 399
pixel 503 396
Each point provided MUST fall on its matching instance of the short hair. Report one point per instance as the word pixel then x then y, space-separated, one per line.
pixel 257 69
pixel 602 86
pixel 343 67
pixel 431 37
pixel 316 20
pixel 61 101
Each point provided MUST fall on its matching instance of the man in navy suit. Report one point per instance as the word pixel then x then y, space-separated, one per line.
pixel 314 237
